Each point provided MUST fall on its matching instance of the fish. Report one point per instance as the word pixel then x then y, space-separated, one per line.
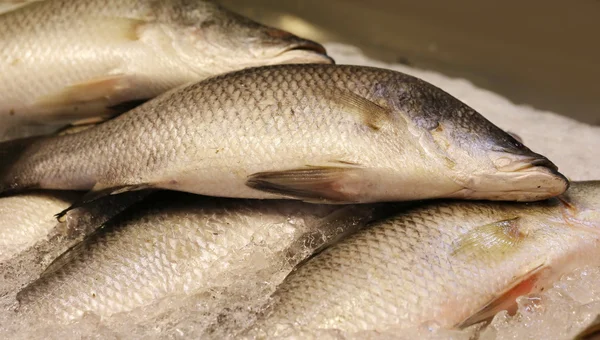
pixel 67 62
pixel 27 217
pixel 179 244
pixel 453 263
pixel 31 238
pixel 335 134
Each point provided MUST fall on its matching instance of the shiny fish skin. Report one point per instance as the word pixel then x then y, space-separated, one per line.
pixel 413 268
pixel 64 60
pixel 184 244
pixel 26 218
pixel 35 239
pixel 319 133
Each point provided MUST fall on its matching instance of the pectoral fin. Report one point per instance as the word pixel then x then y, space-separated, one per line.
pixel 491 241
pixel 506 300
pixel 370 113
pixel 102 88
pixel 312 184
pixel 98 192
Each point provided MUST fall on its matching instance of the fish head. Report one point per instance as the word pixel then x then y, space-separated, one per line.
pixel 582 202
pixel 205 35
pixel 482 159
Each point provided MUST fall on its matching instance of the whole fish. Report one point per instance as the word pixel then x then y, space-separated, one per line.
pixel 181 244
pixel 64 60
pixel 317 133
pixel 453 263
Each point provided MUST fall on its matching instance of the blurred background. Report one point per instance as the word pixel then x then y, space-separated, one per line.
pixel 541 53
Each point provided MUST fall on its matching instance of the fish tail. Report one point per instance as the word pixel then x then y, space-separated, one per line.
pixel 13 177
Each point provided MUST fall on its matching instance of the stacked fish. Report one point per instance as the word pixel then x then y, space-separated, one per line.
pixel 203 139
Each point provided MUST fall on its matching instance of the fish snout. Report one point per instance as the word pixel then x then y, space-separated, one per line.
pixel 512 162
pixel 536 177
pixel 516 177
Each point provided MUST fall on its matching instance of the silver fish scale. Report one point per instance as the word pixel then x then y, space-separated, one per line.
pixel 176 245
pixel 401 261
pixel 248 117
pixel 351 127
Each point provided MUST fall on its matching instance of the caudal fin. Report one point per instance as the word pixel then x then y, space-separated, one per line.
pixel 12 153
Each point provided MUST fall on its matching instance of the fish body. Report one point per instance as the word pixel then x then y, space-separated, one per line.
pixel 64 60
pixel 26 218
pixel 178 244
pixel 31 238
pixel 452 263
pixel 318 133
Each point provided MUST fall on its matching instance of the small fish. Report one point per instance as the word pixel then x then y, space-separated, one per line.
pixel 316 133
pixel 63 61
pixel 176 243
pixel 454 263
pixel 31 238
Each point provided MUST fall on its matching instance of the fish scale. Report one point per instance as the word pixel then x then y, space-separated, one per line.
pixel 388 275
pixel 64 60
pixel 177 244
pixel 334 136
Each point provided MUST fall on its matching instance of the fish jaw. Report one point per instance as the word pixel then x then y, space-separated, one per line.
pixel 294 50
pixel 514 178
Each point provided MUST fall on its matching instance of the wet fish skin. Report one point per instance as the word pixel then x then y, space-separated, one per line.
pixel 28 217
pixel 318 133
pixel 180 244
pixel 63 60
pixel 453 263
pixel 32 239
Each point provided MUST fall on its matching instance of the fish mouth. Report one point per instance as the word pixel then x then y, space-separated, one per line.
pixel 523 179
pixel 303 51
pixel 516 163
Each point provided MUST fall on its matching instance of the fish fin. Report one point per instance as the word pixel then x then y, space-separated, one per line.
pixel 10 153
pixel 491 241
pixel 371 114
pixel 333 184
pixel 102 88
pixel 506 300
pixel 74 128
pixel 97 192
pixel 86 123
pixel 89 121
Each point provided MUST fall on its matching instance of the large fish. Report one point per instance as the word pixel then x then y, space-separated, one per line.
pixel 181 244
pixel 317 133
pixel 453 263
pixel 63 60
